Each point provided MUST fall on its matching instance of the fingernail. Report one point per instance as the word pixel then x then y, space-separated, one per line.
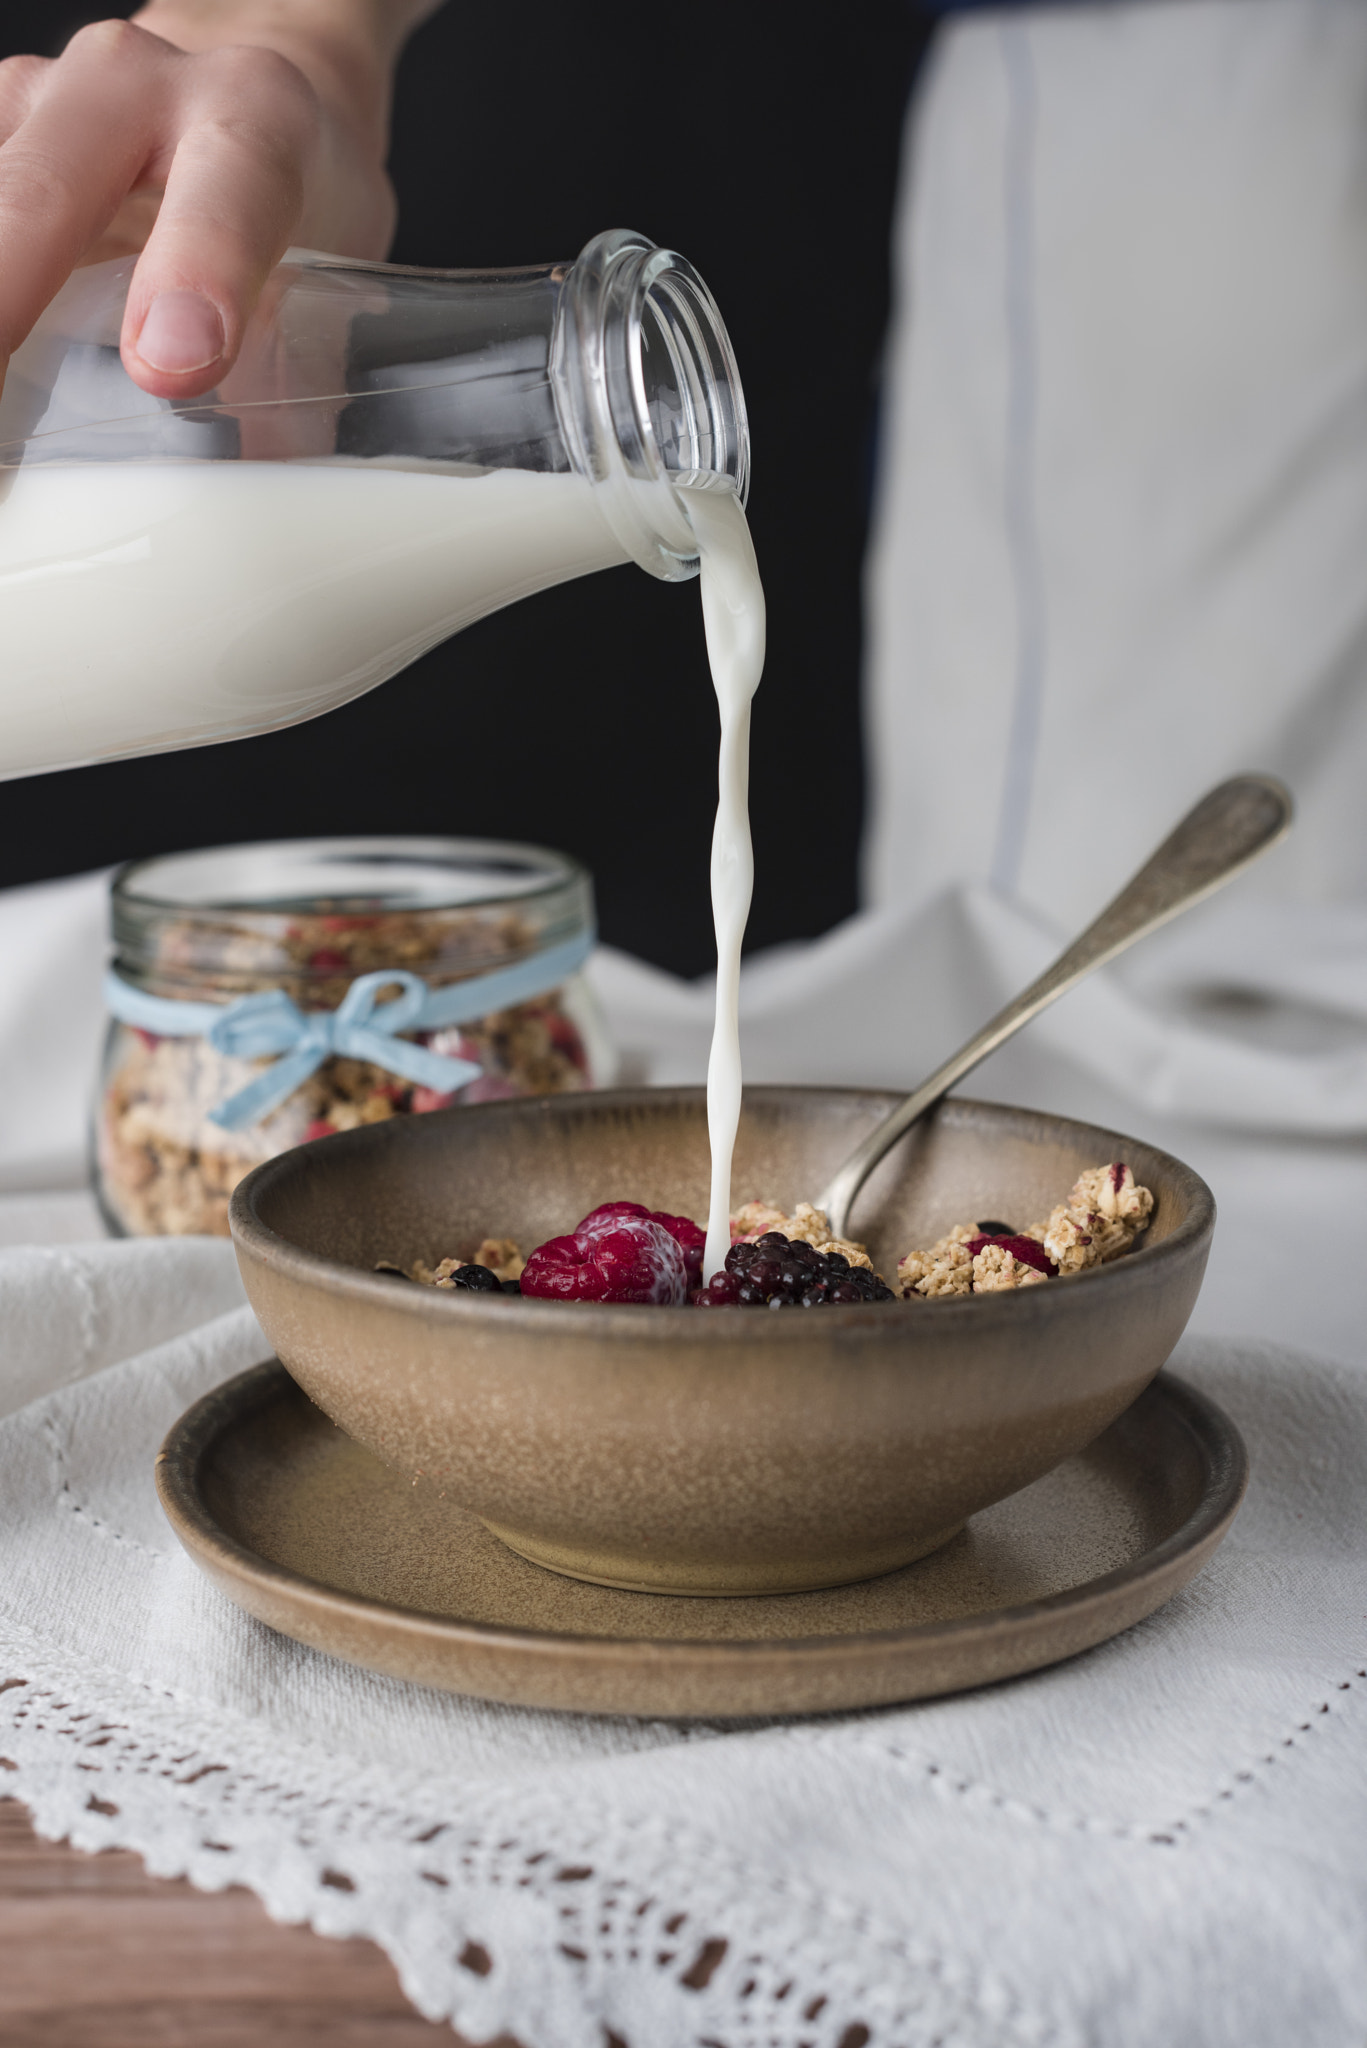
pixel 182 331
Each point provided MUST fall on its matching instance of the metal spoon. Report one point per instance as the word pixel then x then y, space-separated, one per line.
pixel 1228 828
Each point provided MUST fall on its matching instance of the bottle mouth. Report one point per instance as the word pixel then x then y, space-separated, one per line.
pixel 647 392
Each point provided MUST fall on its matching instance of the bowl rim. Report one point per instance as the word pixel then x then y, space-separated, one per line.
pixel 258 1241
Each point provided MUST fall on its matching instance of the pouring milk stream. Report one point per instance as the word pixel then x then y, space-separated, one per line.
pixel 733 615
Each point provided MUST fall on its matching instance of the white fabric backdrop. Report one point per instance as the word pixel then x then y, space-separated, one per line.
pixel 1123 514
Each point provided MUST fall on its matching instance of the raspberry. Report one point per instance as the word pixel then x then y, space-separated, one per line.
pixel 779 1272
pixel 609 1216
pixel 1028 1250
pixel 681 1228
pixel 635 1261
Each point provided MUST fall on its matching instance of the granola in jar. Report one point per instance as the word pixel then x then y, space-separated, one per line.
pixel 300 924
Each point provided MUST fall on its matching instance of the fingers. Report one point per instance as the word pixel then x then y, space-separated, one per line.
pixel 20 81
pixel 127 234
pixel 231 135
pixel 233 196
pixel 77 148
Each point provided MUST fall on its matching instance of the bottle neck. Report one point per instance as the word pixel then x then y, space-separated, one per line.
pixel 647 393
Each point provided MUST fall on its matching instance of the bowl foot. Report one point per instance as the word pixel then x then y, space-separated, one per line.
pixel 712 1580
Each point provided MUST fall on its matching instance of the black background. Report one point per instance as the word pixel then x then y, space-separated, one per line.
pixel 583 718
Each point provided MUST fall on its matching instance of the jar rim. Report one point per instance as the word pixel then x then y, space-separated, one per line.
pixel 235 916
pixel 246 878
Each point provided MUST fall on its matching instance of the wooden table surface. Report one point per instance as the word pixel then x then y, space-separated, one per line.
pixel 94 1953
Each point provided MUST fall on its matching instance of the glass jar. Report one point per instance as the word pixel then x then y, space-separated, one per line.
pixel 262 996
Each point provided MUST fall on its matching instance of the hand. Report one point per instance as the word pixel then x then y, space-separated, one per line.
pixel 210 134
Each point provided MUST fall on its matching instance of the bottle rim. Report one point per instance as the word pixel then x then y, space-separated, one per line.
pixel 648 393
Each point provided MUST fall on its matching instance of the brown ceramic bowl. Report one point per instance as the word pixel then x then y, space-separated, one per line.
pixel 726 1451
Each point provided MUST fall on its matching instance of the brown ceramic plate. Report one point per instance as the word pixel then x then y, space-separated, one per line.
pixel 316 1537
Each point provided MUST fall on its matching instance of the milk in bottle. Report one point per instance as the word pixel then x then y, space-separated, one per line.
pixel 160 604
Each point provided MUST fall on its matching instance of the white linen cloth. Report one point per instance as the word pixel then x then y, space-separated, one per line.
pixel 1161 1841
pixel 1158 1842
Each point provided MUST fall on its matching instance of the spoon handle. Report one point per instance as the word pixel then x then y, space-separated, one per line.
pixel 1228 828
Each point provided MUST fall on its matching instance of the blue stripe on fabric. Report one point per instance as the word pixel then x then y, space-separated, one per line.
pixel 1022 409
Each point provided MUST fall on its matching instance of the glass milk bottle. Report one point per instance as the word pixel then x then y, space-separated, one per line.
pixel 396 453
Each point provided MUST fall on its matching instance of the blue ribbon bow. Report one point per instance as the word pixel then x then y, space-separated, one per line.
pixel 361 1027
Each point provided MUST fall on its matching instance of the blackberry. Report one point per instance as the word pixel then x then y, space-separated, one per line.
pixel 995 1230
pixel 477 1280
pixel 779 1272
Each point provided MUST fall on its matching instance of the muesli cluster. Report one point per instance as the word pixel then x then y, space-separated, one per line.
pixel 1102 1217
pixel 166 1169
pixel 623 1252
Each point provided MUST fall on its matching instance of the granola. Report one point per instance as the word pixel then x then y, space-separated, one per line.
pixel 498 1255
pixel 806 1225
pixel 1101 1218
pixel 1105 1212
pixel 946 1267
pixel 624 1252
